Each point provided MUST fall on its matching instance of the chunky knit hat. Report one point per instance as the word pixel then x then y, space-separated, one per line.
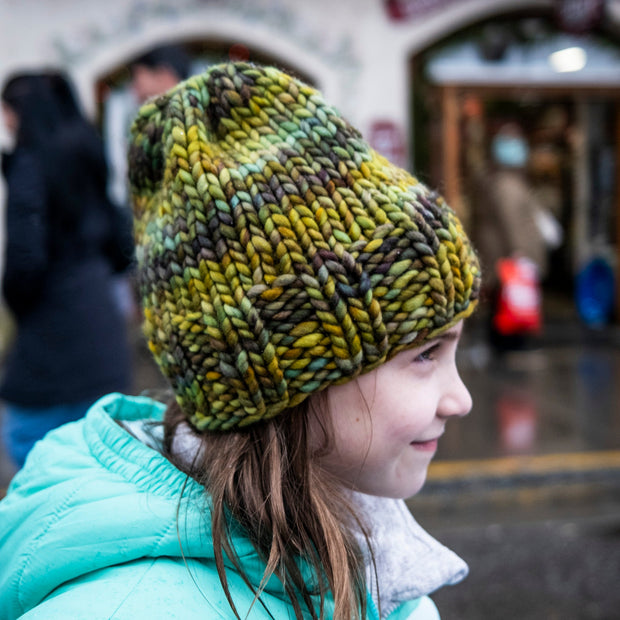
pixel 277 252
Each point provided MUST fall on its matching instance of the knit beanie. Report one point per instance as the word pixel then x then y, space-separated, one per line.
pixel 277 252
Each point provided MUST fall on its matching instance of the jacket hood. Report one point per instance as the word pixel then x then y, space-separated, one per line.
pixel 79 506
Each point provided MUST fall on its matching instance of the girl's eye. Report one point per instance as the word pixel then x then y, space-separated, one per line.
pixel 428 354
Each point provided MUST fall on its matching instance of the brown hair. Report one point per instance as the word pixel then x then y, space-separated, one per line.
pixel 268 478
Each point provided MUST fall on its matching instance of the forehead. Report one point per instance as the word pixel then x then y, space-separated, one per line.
pixel 451 334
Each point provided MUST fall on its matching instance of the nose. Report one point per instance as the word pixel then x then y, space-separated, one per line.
pixel 456 399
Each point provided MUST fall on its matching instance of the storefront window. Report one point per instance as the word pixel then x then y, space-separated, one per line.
pixel 505 72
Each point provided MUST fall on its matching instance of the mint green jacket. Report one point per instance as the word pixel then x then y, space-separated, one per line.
pixel 99 525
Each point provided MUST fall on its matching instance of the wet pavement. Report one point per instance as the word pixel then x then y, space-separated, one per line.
pixel 559 397
pixel 542 440
pixel 551 570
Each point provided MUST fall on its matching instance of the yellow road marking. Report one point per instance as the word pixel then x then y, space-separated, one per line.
pixel 513 465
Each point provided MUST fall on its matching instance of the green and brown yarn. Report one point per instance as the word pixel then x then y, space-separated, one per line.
pixel 278 253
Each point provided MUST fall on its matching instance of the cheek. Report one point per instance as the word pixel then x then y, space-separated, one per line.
pixel 404 411
pixel 348 405
pixel 351 426
pixel 352 431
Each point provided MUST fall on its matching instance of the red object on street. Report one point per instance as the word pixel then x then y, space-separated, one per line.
pixel 519 307
pixel 518 420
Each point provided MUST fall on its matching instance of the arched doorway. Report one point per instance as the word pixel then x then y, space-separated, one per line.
pixel 116 104
pixel 469 84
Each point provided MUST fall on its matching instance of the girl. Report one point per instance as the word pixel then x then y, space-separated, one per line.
pixel 305 298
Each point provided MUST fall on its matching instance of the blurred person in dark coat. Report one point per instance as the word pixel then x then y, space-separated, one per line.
pixel 64 242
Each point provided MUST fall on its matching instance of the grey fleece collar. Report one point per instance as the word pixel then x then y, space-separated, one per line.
pixel 410 562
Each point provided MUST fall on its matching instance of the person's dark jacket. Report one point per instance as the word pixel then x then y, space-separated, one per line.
pixel 61 251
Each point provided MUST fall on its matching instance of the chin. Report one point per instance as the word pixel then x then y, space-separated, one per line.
pixel 414 488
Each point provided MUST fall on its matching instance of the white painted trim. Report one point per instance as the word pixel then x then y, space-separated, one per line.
pixel 455 17
pixel 259 37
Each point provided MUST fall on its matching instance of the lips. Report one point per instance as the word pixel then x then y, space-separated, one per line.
pixel 427 446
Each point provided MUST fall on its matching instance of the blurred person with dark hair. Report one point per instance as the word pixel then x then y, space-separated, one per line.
pixel 159 70
pixel 65 240
pixel 152 74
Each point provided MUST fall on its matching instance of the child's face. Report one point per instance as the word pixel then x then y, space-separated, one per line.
pixel 387 423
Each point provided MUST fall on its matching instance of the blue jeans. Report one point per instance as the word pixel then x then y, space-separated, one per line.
pixel 23 426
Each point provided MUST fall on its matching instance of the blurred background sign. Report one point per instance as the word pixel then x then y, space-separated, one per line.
pixel 388 140
pixel 579 16
pixel 408 9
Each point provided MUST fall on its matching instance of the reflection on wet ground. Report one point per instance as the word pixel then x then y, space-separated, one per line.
pixel 554 399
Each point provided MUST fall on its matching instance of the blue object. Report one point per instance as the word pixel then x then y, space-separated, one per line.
pixel 595 292
pixel 23 426
pixel 510 151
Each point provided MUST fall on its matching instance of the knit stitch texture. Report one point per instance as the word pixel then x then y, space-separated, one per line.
pixel 277 252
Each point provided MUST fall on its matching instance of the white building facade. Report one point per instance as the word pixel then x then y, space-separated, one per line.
pixel 358 52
